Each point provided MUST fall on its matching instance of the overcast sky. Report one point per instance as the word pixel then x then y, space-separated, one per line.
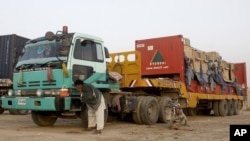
pixel 211 25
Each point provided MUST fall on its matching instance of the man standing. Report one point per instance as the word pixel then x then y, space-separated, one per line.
pixel 94 100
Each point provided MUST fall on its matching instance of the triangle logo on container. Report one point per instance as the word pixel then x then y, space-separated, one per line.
pixel 157 59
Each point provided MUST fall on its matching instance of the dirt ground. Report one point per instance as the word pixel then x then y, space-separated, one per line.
pixel 200 128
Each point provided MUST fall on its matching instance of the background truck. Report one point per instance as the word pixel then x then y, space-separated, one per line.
pixel 11 46
pixel 137 84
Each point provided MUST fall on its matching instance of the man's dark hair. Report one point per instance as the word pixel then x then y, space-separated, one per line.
pixel 78 82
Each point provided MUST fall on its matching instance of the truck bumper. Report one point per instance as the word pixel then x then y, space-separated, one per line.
pixel 37 103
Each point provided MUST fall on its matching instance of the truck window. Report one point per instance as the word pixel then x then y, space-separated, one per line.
pixel 88 50
pixel 41 50
pixel 99 52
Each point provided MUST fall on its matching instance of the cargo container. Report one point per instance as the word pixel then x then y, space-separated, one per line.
pixel 11 47
pixel 138 83
pixel 205 78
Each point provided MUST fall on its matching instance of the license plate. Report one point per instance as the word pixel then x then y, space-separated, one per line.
pixel 21 101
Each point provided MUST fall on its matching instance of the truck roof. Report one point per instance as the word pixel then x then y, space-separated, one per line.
pixel 87 36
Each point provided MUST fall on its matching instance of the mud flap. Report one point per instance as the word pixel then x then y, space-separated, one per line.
pixel 59 103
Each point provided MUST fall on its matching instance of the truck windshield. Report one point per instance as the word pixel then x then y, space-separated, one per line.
pixel 41 50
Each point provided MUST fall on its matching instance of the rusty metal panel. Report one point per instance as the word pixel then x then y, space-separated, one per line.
pixel 162 56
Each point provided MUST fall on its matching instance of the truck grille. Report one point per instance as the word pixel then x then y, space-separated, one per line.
pixel 37 83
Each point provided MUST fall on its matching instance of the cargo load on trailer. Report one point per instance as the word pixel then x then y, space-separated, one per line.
pixel 171 67
pixel 201 71
pixel 139 83
pixel 11 47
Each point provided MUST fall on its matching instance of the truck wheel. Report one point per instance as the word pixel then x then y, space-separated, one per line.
pixel 237 107
pixel 149 110
pixel 18 112
pixel 216 108
pixel 1 110
pixel 22 112
pixel 230 111
pixel 136 115
pixel 235 102
pixel 163 102
pixel 13 111
pixel 223 107
pixel 43 118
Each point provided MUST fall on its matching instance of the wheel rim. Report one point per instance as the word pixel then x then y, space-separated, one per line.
pixel 152 110
pixel 149 110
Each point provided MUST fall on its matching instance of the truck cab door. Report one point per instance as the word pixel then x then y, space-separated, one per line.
pixel 87 61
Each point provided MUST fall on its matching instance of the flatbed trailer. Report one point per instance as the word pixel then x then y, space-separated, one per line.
pixel 159 81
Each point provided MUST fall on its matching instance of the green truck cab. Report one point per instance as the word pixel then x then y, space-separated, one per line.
pixel 45 73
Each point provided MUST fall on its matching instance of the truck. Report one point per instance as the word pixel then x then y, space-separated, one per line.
pixel 11 46
pixel 138 84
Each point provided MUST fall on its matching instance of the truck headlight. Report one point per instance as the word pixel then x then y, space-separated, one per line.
pixel 10 92
pixel 39 93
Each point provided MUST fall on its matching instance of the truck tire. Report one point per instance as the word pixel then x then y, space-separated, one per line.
pixel 216 108
pixel 18 112
pixel 235 102
pixel 223 107
pixel 1 110
pixel 163 102
pixel 136 115
pixel 22 112
pixel 43 118
pixel 13 111
pixel 237 107
pixel 230 111
pixel 149 110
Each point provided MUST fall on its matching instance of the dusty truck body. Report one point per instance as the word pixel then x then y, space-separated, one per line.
pixel 137 83
pixel 45 73
pixel 11 47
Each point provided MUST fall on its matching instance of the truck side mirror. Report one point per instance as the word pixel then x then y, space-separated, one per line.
pixel 106 51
